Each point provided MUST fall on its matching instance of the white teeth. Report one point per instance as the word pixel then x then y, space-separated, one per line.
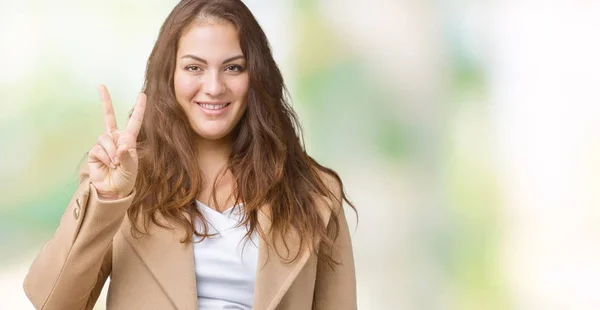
pixel 213 106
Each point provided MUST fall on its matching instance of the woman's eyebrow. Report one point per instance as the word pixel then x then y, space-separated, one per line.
pixel 205 62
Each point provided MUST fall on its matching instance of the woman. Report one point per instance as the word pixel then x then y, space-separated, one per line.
pixel 207 199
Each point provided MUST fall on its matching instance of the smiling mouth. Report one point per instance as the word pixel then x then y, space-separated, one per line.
pixel 210 106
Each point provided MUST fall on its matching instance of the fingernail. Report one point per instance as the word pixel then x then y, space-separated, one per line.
pixel 116 160
pixel 112 166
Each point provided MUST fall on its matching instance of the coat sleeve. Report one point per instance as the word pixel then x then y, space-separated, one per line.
pixel 335 288
pixel 70 270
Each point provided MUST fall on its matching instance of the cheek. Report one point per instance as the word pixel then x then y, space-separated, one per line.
pixel 185 86
pixel 240 88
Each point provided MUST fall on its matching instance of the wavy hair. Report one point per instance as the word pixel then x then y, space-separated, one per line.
pixel 268 159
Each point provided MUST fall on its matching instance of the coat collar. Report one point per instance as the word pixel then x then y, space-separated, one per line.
pixel 274 276
pixel 172 263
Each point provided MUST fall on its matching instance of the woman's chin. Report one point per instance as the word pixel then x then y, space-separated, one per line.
pixel 212 134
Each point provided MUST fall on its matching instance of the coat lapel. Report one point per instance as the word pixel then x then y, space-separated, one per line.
pixel 273 275
pixel 170 262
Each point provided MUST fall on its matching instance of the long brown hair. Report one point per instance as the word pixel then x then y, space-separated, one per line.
pixel 268 159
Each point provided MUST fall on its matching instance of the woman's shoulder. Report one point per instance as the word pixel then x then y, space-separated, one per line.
pixel 333 185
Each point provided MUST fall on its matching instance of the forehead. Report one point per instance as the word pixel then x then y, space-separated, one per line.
pixel 212 41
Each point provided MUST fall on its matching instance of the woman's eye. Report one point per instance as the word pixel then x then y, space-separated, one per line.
pixel 235 68
pixel 192 68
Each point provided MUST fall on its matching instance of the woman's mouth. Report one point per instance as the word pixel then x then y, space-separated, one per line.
pixel 213 108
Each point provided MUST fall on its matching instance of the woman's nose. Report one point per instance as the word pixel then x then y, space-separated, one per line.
pixel 213 84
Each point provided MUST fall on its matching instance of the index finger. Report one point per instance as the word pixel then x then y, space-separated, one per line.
pixel 135 121
pixel 110 122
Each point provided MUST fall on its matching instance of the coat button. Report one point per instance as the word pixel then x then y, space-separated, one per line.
pixel 77 210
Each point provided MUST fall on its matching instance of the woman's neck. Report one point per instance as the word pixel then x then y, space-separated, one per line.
pixel 213 156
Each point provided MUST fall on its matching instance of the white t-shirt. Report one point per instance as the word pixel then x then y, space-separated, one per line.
pixel 225 264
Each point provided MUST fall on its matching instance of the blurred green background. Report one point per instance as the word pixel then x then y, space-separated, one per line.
pixel 466 132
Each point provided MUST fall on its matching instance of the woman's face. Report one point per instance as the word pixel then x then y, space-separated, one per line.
pixel 210 79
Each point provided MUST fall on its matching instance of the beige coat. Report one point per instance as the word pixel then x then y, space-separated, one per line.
pixel 94 241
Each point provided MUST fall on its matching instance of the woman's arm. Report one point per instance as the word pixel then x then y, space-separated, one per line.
pixel 72 267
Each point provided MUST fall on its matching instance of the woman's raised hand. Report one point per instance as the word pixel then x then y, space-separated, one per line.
pixel 113 161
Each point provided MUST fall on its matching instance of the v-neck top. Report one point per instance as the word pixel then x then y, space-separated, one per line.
pixel 225 263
